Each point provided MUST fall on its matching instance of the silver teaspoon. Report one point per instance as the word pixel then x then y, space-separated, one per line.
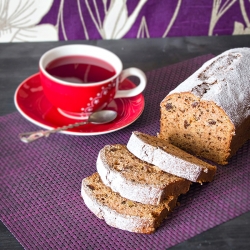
pixel 99 117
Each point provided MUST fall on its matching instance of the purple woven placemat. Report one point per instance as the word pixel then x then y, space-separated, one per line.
pixel 40 183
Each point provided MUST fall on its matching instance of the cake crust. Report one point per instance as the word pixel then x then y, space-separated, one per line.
pixel 223 80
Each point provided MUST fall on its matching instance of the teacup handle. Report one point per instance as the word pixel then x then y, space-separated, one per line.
pixel 134 91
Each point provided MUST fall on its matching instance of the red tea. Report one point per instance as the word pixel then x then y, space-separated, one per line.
pixel 80 69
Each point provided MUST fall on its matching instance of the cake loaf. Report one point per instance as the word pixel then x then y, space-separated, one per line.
pixel 120 212
pixel 135 179
pixel 170 158
pixel 209 113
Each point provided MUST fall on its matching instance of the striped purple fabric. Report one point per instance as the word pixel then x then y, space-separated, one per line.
pixel 40 183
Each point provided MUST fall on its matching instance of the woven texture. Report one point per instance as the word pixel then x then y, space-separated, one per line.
pixel 40 183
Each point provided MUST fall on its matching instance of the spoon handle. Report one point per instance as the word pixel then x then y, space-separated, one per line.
pixel 32 136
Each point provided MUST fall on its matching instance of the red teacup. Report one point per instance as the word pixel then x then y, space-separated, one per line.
pixel 81 79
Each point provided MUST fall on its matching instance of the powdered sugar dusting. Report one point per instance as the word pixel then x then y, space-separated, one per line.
pixel 176 165
pixel 224 80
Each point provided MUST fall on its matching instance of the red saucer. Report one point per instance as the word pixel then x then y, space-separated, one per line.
pixel 31 102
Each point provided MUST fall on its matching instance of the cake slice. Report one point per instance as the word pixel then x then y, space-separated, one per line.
pixel 170 158
pixel 135 179
pixel 120 212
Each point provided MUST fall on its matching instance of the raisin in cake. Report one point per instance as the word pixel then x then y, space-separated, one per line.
pixel 170 158
pixel 135 179
pixel 120 212
pixel 209 113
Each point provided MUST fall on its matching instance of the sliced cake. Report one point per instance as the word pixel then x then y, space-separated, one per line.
pixel 120 212
pixel 170 158
pixel 135 179
pixel 209 113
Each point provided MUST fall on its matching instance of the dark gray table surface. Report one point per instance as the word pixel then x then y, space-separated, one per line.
pixel 20 60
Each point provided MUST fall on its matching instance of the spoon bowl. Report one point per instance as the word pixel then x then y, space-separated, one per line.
pixel 102 116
